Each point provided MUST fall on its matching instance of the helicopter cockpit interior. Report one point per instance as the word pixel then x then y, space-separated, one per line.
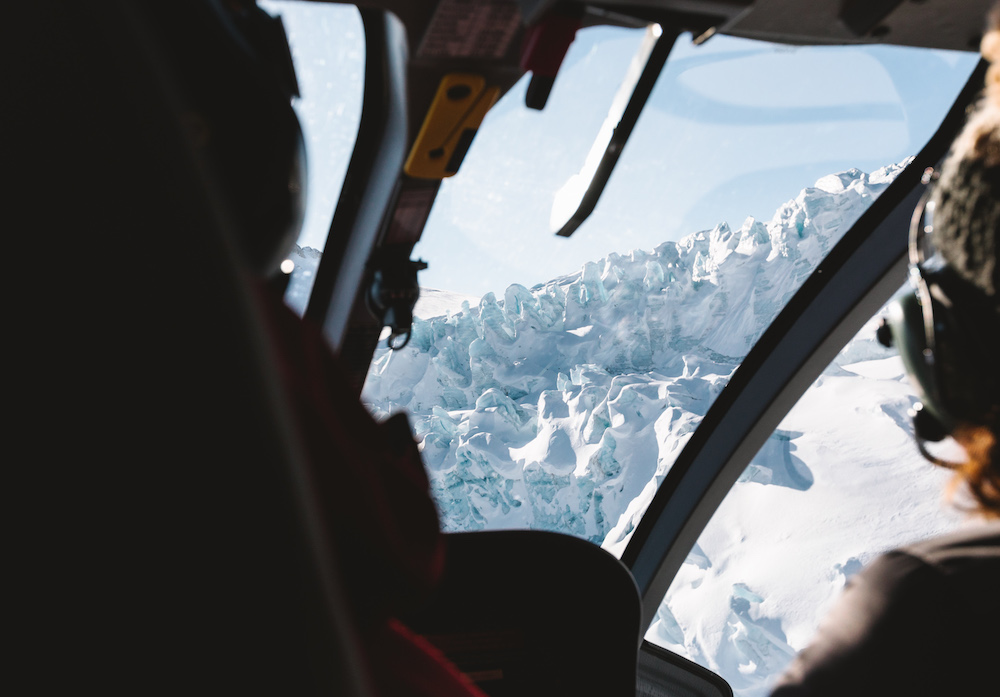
pixel 211 484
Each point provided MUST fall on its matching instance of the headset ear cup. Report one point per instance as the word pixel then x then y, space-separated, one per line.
pixel 955 370
pixel 967 338
pixel 905 319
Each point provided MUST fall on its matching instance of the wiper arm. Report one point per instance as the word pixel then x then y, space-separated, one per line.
pixel 578 197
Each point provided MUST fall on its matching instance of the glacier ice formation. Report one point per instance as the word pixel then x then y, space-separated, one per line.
pixel 561 407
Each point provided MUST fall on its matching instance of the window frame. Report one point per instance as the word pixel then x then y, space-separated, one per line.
pixel 860 274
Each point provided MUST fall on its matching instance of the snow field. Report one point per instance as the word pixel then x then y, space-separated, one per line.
pixel 777 554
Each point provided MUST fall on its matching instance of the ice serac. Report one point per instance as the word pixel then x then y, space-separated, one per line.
pixel 562 406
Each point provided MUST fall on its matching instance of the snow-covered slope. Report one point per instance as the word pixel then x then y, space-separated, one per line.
pixel 838 482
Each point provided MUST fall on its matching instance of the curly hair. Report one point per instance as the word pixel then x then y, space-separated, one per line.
pixel 969 205
pixel 980 473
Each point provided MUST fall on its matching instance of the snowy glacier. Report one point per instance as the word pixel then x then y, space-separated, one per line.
pixel 561 407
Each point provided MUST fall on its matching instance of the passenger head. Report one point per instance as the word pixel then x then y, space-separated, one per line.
pixel 959 292
pixel 235 72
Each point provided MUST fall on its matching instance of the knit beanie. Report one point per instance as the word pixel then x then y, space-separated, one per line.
pixel 967 195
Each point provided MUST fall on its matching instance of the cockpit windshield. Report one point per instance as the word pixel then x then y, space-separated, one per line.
pixel 552 381
pixel 559 396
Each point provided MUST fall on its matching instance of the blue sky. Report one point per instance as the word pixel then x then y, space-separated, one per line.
pixel 733 128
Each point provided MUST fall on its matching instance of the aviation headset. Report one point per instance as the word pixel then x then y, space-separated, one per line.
pixel 947 332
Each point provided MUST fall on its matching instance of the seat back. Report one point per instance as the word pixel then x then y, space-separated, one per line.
pixel 535 613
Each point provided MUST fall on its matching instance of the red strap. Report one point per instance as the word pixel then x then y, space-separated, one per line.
pixel 410 666
pixel 546 43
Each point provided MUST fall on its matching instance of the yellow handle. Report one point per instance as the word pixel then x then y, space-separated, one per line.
pixel 451 123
